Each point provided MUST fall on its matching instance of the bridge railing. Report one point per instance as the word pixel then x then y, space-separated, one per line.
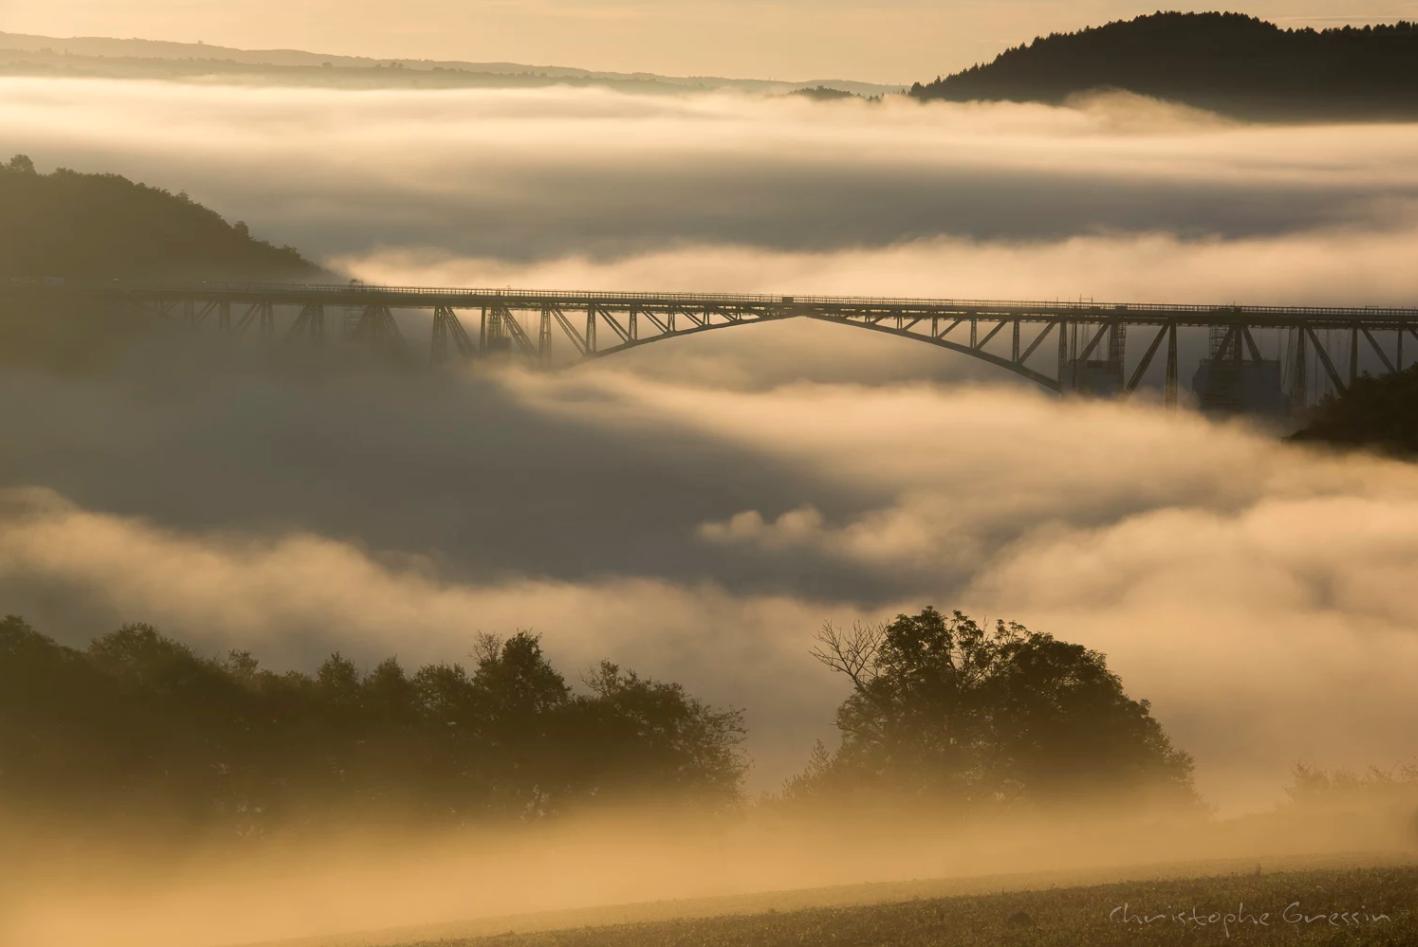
pixel 980 306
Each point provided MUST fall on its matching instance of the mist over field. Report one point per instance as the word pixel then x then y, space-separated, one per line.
pixel 369 885
pixel 696 510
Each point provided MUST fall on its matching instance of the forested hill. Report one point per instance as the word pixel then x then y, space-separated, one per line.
pixel 102 226
pixel 1227 62
pixel 1376 413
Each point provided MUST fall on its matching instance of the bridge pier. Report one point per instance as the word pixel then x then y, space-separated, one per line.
pixel 1098 376
pixel 1300 380
pixel 494 340
pixel 449 337
pixel 544 337
pixel 1236 377
pixel 263 315
pixel 1065 330
pixel 1353 354
pixel 309 325
pixel 1169 386
pixel 377 330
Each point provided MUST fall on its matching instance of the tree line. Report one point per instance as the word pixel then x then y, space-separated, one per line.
pixel 139 725
pixel 941 710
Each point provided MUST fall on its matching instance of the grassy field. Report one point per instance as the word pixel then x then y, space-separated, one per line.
pixel 1330 906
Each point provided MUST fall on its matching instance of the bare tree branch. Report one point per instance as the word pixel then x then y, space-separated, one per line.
pixel 486 647
pixel 852 653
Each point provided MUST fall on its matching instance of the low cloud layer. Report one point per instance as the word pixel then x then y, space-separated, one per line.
pixel 500 178
pixel 1340 266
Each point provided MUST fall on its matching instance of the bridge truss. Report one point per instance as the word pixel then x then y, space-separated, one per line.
pixel 1060 346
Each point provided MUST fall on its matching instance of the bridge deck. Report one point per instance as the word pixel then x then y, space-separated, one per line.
pixel 762 305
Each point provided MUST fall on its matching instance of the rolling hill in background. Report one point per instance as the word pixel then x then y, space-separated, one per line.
pixel 1226 62
pixel 104 57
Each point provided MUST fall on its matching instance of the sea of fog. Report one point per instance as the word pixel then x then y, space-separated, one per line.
pixel 696 510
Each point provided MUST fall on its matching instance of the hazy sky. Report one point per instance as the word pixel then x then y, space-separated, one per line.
pixel 890 41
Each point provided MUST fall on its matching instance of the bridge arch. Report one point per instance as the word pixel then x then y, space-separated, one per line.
pixel 999 361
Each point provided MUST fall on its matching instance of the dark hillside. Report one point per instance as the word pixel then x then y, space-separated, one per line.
pixel 103 226
pixel 1227 62
pixel 77 227
pixel 1377 413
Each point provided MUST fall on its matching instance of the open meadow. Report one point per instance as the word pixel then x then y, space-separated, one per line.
pixel 1354 900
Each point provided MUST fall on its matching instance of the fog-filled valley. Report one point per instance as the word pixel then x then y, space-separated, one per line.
pixel 696 510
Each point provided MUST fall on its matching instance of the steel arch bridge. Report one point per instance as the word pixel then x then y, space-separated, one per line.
pixel 1057 345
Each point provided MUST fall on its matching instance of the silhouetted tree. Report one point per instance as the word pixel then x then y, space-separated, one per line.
pixel 942 708
pixel 652 736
